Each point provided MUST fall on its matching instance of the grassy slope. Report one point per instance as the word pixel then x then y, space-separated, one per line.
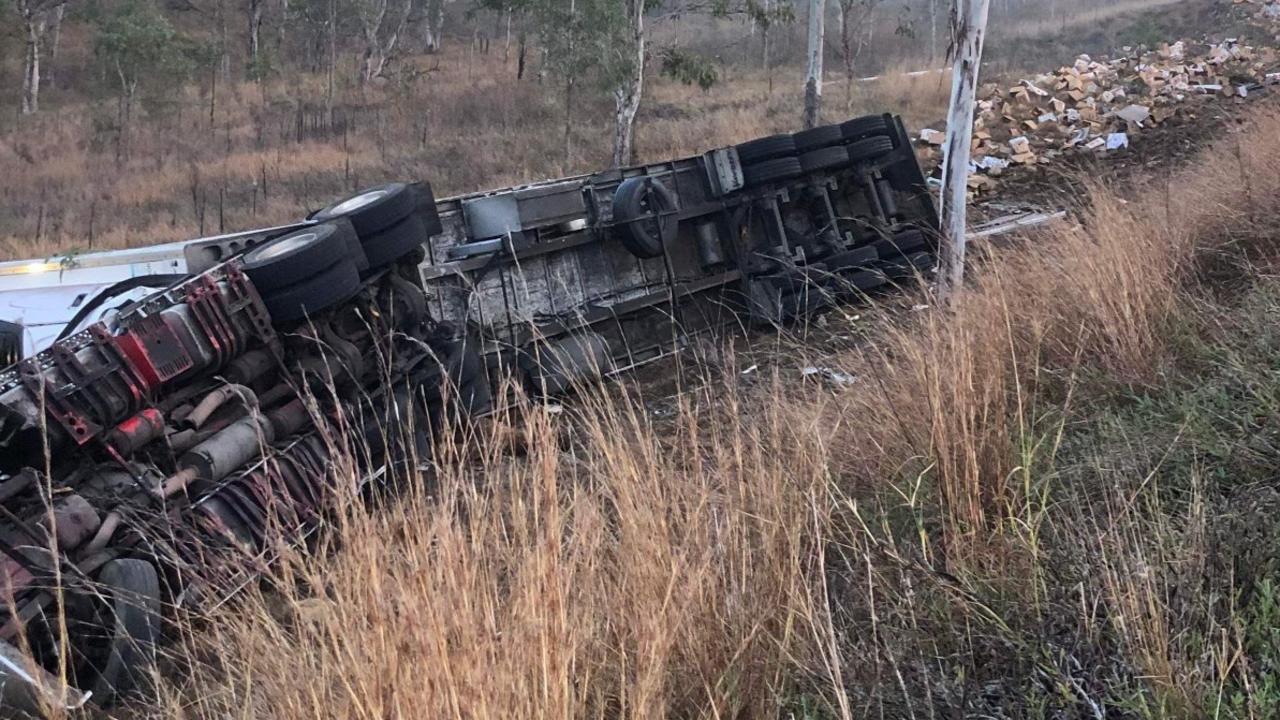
pixel 1055 500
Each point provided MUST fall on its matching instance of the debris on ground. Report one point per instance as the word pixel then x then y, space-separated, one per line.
pixel 1099 105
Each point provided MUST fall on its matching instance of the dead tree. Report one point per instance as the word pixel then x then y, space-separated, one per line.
pixel 813 77
pixel 969 29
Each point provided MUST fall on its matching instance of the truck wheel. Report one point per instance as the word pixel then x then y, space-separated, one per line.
pixel 296 256
pixel 319 292
pixel 772 171
pixel 819 137
pixel 864 127
pixel 766 148
pixel 393 243
pixel 375 209
pixel 642 214
pixel 870 149
pixel 824 159
pixel 131 589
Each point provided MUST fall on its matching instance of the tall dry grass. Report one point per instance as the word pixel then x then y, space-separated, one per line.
pixel 600 570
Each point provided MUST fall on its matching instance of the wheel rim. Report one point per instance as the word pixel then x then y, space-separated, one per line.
pixel 352 204
pixel 281 247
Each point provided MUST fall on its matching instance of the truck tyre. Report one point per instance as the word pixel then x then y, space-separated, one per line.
pixel 871 148
pixel 323 290
pixel 864 127
pixel 375 209
pixel 772 171
pixel 766 148
pixel 819 137
pixel 642 214
pixel 824 159
pixel 297 256
pixel 131 589
pixel 392 243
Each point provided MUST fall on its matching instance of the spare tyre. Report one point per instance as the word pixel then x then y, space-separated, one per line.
pixel 297 256
pixel 643 214
pixel 819 137
pixel 772 171
pixel 319 292
pixel 766 148
pixel 375 209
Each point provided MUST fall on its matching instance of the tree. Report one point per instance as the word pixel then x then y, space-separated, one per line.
pixel 813 76
pixel 132 42
pixel 630 88
pixel 968 30
pixel 854 16
pixel 382 22
pixel 765 15
pixel 580 41
pixel 255 10
pixel 36 16
pixel 433 25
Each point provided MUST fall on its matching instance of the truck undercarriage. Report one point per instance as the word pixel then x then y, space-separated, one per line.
pixel 152 459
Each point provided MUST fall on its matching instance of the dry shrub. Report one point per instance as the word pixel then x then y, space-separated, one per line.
pixel 600 571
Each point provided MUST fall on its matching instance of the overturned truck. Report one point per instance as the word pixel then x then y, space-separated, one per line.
pixel 183 423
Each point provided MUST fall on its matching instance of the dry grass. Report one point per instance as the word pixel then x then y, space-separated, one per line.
pixel 959 533
pixel 600 572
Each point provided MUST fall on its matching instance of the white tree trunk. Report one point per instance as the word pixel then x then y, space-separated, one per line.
pixel 55 40
pixel 255 32
pixel 969 29
pixel 813 78
pixel 380 37
pixel 626 97
pixel 434 26
pixel 33 21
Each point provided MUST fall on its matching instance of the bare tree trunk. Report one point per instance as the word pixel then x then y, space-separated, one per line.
pixel 522 52
pixel 568 89
pixel 33 21
pixel 434 26
pixel 55 41
pixel 969 23
pixel 255 31
pixel 933 30
pixel 813 78
pixel 846 51
pixel 280 29
pixel 626 97
pixel 333 59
